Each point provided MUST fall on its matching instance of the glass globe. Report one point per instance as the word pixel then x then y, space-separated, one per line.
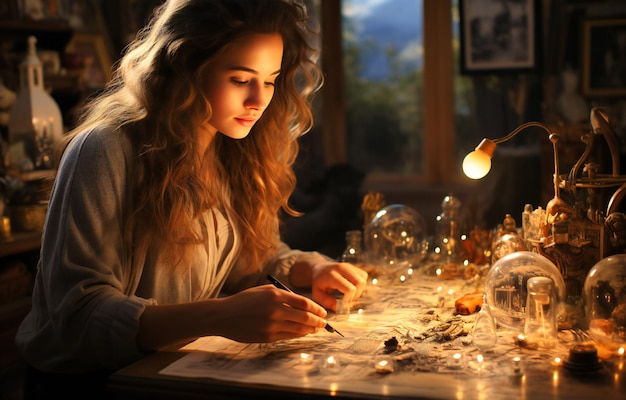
pixel 604 295
pixel 507 244
pixel 395 239
pixel 506 289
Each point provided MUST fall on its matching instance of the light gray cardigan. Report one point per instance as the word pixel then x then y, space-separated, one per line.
pixel 91 288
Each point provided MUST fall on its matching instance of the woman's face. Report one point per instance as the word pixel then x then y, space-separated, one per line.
pixel 241 83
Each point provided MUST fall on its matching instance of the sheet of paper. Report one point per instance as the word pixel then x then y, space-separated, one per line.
pixel 420 315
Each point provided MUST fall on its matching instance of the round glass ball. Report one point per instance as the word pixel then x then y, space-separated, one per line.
pixel 506 291
pixel 507 244
pixel 604 295
pixel 395 239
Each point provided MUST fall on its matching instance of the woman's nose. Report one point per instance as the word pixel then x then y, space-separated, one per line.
pixel 257 99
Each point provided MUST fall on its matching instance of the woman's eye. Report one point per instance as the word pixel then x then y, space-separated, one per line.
pixel 238 81
pixel 270 84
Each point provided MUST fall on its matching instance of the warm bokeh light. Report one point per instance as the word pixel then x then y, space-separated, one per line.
pixel 476 164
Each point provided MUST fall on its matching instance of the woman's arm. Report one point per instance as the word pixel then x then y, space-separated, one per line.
pixel 259 314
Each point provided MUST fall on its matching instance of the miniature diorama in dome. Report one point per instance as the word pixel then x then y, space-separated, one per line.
pixel 506 287
pixel 605 302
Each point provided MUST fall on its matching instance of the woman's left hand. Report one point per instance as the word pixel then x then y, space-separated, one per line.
pixel 330 276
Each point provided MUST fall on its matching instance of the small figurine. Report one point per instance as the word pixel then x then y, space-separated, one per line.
pixel 372 203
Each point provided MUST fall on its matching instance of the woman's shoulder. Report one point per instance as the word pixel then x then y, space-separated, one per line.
pixel 97 150
pixel 100 139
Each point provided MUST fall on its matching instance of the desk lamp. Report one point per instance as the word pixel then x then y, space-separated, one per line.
pixel 478 163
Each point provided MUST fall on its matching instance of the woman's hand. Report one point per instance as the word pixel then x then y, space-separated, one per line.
pixel 266 314
pixel 330 276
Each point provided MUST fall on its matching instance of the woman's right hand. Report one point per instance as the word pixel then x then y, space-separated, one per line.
pixel 266 314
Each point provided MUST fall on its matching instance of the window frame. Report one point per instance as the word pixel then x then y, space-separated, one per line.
pixel 440 164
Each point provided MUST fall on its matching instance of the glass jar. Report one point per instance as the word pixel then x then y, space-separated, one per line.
pixel 506 286
pixel 395 240
pixel 604 296
pixel 353 252
pixel 448 229
pixel 540 327
pixel 484 334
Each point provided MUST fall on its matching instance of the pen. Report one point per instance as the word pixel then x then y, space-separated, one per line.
pixel 279 285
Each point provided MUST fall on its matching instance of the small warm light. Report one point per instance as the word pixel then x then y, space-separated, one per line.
pixel 465 263
pixel 456 361
pixel 360 312
pixel 517 364
pixel 555 378
pixel 451 292
pixel 438 271
pixel 384 365
pixel 621 351
pixel 437 250
pixel 333 389
pixel 306 359
pixel 402 278
pixel 463 237
pixel 410 271
pixel 557 361
pixel 330 364
pixel 480 358
pixel 476 164
pixel 374 281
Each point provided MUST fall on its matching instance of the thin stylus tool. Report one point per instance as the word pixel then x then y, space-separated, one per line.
pixel 280 285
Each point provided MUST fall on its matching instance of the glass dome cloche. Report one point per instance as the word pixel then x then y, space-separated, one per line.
pixel 506 286
pixel 604 295
pixel 395 239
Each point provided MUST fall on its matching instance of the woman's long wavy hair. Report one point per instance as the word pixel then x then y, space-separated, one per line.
pixel 157 98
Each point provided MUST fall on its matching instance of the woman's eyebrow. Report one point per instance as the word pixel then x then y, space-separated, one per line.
pixel 250 70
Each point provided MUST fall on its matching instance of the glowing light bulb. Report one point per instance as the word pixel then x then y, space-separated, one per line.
pixel 476 164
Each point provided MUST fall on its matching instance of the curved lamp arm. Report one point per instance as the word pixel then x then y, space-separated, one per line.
pixel 478 163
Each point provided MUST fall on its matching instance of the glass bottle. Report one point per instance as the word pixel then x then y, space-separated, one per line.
pixel 353 252
pixel 526 232
pixel 484 334
pixel 449 228
pixel 540 326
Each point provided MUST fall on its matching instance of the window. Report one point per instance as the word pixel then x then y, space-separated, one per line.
pixel 382 65
pixel 376 115
pixel 431 116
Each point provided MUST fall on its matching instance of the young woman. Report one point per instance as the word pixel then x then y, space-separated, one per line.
pixel 163 220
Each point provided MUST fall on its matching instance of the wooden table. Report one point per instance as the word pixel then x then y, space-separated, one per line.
pixel 417 313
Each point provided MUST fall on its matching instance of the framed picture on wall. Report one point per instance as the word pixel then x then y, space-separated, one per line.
pixel 499 35
pixel 604 57
pixel 91 49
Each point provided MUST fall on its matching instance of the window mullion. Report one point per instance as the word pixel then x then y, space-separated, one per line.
pixel 439 129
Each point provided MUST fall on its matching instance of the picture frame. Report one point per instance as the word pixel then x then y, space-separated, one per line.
pixel 92 51
pixel 497 36
pixel 9 10
pixel 604 57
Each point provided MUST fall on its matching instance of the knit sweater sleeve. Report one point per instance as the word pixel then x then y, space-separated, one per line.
pixel 279 264
pixel 84 314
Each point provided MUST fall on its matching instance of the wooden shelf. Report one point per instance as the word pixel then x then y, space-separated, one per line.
pixel 22 242
pixel 53 34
